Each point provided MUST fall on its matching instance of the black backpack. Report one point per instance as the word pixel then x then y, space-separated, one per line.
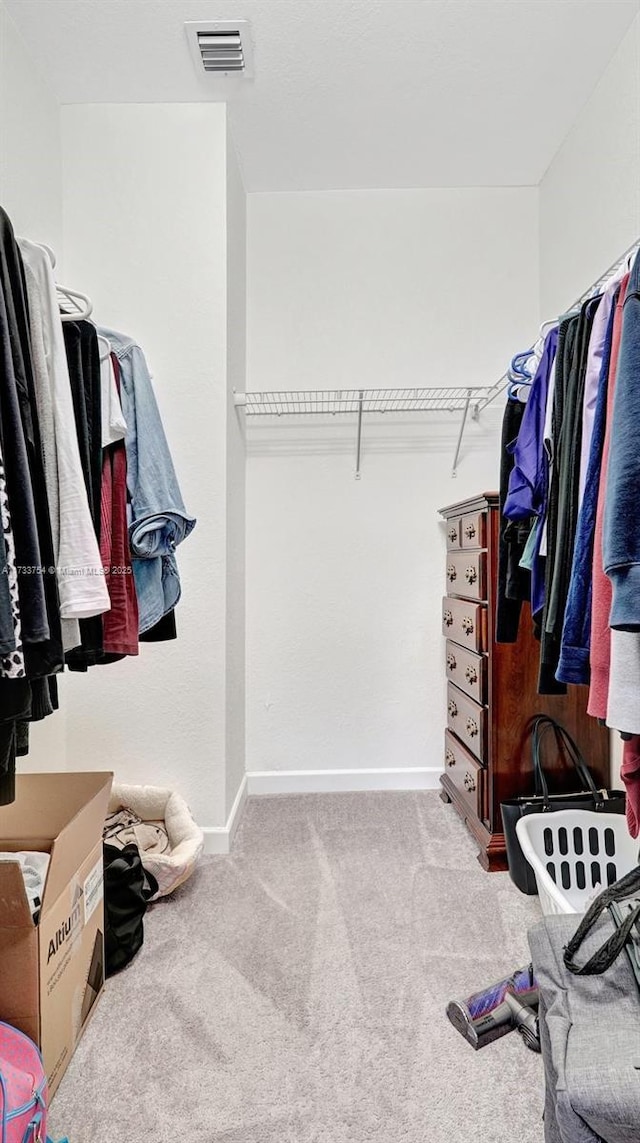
pixel 127 889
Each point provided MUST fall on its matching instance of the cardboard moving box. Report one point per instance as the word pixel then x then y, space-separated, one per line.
pixel 52 973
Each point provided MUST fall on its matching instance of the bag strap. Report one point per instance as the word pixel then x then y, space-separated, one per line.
pixel 604 957
pixel 542 723
pixel 563 738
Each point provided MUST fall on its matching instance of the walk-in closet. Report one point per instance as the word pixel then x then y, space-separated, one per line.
pixel 319 622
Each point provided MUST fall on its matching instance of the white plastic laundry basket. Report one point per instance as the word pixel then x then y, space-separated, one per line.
pixel 575 853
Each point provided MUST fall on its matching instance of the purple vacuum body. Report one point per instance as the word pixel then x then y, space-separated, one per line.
pixel 486 1016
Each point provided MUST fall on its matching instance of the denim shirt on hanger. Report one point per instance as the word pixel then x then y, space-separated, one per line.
pixel 158 519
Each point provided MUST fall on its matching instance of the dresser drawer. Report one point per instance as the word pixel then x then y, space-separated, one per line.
pixel 467 719
pixel 465 623
pixel 453 532
pixel 473 530
pixel 468 671
pixel 466 773
pixel 467 574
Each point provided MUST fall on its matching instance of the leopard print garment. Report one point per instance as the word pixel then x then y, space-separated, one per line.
pixel 11 665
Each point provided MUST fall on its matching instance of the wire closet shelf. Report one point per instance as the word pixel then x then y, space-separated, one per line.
pixel 332 402
pixel 335 402
pixel 464 400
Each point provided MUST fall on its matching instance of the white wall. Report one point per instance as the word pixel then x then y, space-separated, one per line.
pixel 590 196
pixel 236 469
pixel 30 170
pixel 144 230
pixel 378 287
pixel 344 578
pixel 31 194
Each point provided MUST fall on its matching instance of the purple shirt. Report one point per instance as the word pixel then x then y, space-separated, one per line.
pixel 592 376
pixel 527 493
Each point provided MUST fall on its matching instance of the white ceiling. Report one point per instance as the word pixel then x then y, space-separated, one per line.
pixel 353 93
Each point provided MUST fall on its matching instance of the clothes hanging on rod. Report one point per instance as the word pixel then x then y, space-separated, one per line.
pixel 83 358
pixel 526 493
pixel 114 427
pixel 600 639
pixel 69 513
pixel 158 518
pixel 81 586
pixel 524 366
pixel 582 484
pixel 597 348
pixel 563 497
pixel 513 581
pixel 121 622
pixel 574 666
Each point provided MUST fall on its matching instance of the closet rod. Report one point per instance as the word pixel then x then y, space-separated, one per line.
pixel 592 290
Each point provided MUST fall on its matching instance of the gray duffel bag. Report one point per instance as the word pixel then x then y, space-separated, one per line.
pixel 590 1033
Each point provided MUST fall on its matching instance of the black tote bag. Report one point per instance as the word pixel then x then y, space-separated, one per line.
pixel 127 889
pixel 588 797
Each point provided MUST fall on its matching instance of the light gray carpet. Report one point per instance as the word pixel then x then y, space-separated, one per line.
pixel 294 992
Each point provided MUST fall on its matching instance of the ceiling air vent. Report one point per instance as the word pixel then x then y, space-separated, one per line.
pixel 221 47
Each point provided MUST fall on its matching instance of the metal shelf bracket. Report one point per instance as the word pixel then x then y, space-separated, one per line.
pixel 359 437
pixel 465 411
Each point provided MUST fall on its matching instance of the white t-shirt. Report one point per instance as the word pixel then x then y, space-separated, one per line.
pixel 81 583
pixel 114 426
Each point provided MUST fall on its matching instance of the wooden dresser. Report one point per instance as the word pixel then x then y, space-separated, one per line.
pixel 492 689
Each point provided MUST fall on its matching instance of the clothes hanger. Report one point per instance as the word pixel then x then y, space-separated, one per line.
pixel 74 297
pixel 105 347
pixel 519 361
pixel 79 313
pixel 519 391
pixel 518 369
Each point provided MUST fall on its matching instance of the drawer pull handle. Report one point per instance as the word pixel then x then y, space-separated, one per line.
pixel 470 531
pixel 467 625
pixel 472 727
pixel 448 618
pixel 451 573
pixel 453 535
pixel 471 675
pixel 451 661
pixel 450 758
pixel 469 782
pixel 471 574
pixel 452 708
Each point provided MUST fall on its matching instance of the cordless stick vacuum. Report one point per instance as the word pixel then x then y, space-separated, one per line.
pixel 492 1013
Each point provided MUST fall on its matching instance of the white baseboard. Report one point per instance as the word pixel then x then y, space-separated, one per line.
pixel 341 781
pixel 219 839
